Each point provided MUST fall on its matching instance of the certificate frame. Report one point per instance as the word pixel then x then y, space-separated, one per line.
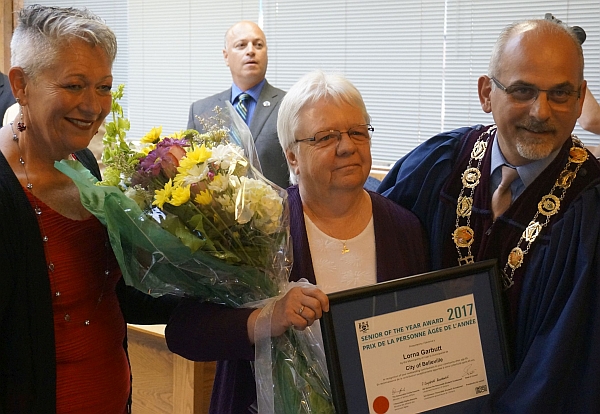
pixel 339 330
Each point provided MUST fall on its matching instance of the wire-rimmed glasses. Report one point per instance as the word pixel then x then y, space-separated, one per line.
pixel 360 134
pixel 523 94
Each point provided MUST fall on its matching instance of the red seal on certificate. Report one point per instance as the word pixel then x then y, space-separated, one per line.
pixel 381 405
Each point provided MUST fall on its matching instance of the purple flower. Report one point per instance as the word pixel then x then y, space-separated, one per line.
pixel 152 163
pixel 164 158
pixel 169 142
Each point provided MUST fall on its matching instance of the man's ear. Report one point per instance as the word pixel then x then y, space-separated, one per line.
pixel 484 88
pixel 226 57
pixel 583 90
pixel 18 83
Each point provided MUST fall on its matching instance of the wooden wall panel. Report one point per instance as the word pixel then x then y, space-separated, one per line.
pixel 7 24
pixel 164 382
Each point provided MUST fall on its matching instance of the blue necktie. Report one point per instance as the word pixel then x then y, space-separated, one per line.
pixel 241 108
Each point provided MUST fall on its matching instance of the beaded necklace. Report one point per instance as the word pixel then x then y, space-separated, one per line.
pixel 464 236
pixel 50 264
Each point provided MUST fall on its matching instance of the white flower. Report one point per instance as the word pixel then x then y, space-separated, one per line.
pixel 219 183
pixel 194 175
pixel 224 156
pixel 226 202
pixel 259 202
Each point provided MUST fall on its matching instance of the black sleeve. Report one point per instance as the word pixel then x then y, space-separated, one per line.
pixel 87 159
pixel 142 309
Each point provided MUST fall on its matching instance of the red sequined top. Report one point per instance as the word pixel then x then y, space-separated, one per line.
pixel 92 371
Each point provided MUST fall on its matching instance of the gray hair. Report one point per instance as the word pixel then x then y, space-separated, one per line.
pixel 310 89
pixel 542 26
pixel 42 31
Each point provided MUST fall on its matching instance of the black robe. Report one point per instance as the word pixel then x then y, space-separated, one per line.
pixel 555 303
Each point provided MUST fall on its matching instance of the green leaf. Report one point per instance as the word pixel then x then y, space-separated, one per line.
pixel 124 124
pixel 174 225
pixel 111 129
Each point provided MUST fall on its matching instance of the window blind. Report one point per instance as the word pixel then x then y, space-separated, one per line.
pixel 416 63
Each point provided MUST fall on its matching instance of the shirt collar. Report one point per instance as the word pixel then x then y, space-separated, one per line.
pixel 528 172
pixel 254 91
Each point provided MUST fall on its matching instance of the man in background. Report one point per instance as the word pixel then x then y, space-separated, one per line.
pixel 524 192
pixel 6 97
pixel 254 98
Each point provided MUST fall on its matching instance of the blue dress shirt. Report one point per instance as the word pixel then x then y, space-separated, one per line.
pixel 527 173
pixel 254 93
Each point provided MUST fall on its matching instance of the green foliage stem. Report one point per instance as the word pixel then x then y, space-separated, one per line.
pixel 118 156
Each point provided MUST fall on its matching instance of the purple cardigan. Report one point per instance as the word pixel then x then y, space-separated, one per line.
pixel 209 332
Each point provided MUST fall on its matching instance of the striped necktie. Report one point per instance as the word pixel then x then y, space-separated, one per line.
pixel 241 107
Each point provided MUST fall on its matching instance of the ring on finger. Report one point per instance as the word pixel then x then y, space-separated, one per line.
pixel 301 310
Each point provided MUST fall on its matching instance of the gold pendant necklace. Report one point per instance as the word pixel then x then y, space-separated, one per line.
pixel 344 248
pixel 463 236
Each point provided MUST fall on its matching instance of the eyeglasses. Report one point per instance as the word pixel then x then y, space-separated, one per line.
pixel 559 97
pixel 360 134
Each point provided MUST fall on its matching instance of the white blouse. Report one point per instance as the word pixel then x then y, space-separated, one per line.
pixel 342 264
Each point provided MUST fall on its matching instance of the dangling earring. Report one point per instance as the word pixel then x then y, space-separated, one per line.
pixel 20 125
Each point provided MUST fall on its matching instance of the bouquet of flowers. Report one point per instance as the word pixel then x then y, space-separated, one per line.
pixel 191 214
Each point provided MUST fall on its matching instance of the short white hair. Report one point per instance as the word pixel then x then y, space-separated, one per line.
pixel 42 31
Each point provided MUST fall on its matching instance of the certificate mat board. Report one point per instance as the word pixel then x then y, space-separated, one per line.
pixel 433 342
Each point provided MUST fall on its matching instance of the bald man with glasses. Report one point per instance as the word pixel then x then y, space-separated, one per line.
pixel 526 192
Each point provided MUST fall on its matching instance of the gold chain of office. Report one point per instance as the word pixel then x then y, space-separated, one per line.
pixel 463 236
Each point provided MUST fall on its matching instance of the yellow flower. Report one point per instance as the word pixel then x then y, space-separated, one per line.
pixel 178 135
pixel 163 195
pixel 197 156
pixel 180 195
pixel 153 136
pixel 204 198
pixel 146 149
pixel 179 179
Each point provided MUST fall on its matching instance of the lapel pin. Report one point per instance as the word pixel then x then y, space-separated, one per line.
pixel 266 103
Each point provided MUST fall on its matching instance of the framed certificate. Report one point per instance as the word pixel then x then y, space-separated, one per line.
pixel 432 342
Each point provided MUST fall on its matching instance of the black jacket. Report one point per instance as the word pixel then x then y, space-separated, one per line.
pixel 6 96
pixel 27 345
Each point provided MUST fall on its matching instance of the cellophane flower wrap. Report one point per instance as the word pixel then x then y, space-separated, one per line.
pixel 191 214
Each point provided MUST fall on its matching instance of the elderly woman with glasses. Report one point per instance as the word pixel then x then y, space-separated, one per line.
pixel 343 236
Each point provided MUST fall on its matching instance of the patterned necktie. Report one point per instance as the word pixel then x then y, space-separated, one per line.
pixel 241 108
pixel 502 197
